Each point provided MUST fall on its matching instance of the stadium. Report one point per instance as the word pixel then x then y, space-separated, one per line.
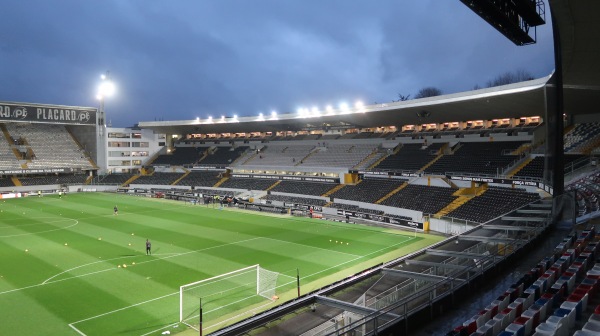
pixel 471 213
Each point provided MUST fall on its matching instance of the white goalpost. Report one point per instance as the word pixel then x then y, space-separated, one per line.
pixel 226 289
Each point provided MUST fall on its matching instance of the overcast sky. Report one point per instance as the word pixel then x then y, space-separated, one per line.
pixel 182 59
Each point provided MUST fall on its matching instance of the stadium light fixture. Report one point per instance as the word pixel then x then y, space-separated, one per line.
pixel 106 89
pixel 360 106
pixel 329 109
pixel 222 119
pixel 210 121
pixel 316 112
pixel 261 117
pixel 273 115
pixel 344 107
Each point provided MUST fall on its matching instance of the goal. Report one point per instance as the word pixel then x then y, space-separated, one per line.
pixel 225 293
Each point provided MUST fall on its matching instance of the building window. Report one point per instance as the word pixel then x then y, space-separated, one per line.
pixel 117 135
pixel 118 144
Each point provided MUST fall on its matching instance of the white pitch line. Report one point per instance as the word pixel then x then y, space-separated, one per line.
pixel 314 247
pixel 366 255
pixel 165 327
pixel 33 233
pixel 80 266
pixel 34 224
pixel 120 309
pixel 112 269
pixel 77 330
pixel 304 277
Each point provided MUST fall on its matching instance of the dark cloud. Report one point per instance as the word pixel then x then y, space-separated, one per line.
pixel 184 59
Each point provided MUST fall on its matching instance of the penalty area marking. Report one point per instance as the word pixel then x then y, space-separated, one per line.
pixel 168 255
pixel 72 325
pixel 45 231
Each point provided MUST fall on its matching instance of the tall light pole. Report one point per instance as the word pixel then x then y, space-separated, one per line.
pixel 105 89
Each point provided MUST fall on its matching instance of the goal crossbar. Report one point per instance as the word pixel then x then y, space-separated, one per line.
pixel 267 289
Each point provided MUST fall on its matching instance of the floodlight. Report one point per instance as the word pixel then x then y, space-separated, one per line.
pixel 106 89
pixel 273 115
pixel 329 109
pixel 103 76
pixel 344 107
pixel 316 112
pixel 359 105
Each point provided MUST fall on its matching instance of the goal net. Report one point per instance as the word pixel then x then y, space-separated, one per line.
pixel 226 293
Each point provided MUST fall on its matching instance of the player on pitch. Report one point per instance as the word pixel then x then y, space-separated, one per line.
pixel 148 247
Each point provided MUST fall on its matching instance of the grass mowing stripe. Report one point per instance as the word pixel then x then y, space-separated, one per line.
pixel 208 327
pixel 184 239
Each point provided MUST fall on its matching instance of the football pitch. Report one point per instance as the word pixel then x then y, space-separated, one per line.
pixel 69 266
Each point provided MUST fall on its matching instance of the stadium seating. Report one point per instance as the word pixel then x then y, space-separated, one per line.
pixel 330 137
pixel 280 155
pixel 587 191
pixel 427 199
pixel 180 156
pixel 53 179
pixel 410 157
pixel 158 178
pixel 534 169
pixel 204 178
pixel 576 139
pixel 492 203
pixel 57 151
pixel 118 179
pixel 339 155
pixel 303 188
pixel 553 298
pixel 8 160
pixel 477 158
pixel 222 156
pixel 6 182
pixel 247 183
pixel 368 190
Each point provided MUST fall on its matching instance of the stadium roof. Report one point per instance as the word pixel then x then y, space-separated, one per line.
pixel 579 31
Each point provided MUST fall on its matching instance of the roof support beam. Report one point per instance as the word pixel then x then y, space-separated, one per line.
pixel 534 211
pixel 509 227
pixel 505 240
pixel 361 310
pixel 454 254
pixel 524 219
pixel 435 264
pixel 418 276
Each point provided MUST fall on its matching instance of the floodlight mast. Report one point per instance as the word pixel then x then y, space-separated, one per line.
pixel 105 89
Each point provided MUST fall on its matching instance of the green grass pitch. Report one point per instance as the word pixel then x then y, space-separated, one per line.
pixel 59 260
